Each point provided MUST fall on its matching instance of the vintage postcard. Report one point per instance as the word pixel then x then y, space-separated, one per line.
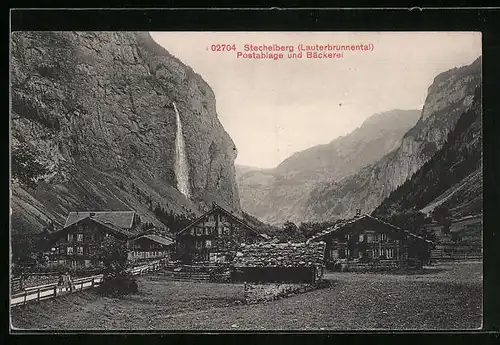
pixel 246 181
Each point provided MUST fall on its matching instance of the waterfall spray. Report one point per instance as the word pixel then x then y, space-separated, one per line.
pixel 181 163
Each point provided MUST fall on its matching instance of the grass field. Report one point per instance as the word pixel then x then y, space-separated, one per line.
pixel 443 297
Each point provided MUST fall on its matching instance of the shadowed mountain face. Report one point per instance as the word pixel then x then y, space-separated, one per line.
pixel 96 110
pixel 449 97
pixel 281 194
pixel 451 178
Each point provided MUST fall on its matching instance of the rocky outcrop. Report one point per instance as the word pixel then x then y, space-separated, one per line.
pixel 96 110
pixel 452 178
pixel 281 194
pixel 449 96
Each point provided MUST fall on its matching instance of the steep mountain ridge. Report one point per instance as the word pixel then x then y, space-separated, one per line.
pixel 95 108
pixel 279 194
pixel 451 178
pixel 449 96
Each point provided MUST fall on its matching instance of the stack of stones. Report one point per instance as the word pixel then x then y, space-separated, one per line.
pixel 280 255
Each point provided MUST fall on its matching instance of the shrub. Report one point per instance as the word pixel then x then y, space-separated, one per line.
pixel 113 254
pixel 117 284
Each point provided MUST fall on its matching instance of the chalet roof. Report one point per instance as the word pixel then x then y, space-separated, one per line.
pixel 111 227
pixel 156 238
pixel 120 219
pixel 223 210
pixel 280 254
pixel 368 219
pixel 157 231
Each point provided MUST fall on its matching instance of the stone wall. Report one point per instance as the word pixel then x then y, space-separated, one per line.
pixel 255 293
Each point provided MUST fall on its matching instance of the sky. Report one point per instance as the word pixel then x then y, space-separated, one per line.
pixel 274 108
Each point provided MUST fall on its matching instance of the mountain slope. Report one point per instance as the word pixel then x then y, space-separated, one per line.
pixel 452 177
pixel 277 195
pixel 95 109
pixel 449 96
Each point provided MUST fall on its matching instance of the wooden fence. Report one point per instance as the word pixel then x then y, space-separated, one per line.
pixel 48 291
pixel 148 267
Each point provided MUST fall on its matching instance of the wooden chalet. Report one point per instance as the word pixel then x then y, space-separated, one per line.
pixel 83 232
pixel 151 246
pixel 366 239
pixel 214 237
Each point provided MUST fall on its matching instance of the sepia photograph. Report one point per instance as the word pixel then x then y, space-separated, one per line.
pixel 246 181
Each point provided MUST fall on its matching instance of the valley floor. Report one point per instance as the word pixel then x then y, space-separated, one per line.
pixel 444 297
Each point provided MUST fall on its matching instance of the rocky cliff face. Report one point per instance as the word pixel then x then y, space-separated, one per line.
pixel 96 109
pixel 449 96
pixel 451 178
pixel 281 194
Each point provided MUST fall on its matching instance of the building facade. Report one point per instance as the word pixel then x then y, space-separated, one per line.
pixel 151 246
pixel 214 237
pixel 77 243
pixel 366 239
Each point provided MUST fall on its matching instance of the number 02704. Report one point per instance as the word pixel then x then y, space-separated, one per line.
pixel 223 47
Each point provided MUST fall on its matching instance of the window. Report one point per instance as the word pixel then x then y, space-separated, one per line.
pixel 361 237
pixel 383 252
pixel 198 231
pixel 70 237
pixel 69 250
pixel 79 250
pixel 369 238
pixel 383 237
pixel 347 253
pixel 192 231
pixel 347 237
pixel 390 253
pixel 79 237
pixel 376 253
pixel 208 243
pixel 198 244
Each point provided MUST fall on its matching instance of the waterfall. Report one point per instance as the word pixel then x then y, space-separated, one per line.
pixel 181 163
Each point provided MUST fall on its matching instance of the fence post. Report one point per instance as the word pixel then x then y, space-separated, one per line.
pixel 38 294
pixel 92 284
pixel 55 291
pixel 25 296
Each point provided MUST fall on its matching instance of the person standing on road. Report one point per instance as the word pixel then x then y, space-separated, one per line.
pixel 70 283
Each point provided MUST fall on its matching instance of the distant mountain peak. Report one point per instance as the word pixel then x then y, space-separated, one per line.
pixel 277 195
